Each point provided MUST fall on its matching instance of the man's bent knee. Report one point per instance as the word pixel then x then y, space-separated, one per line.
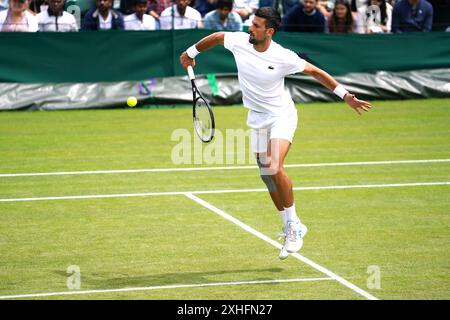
pixel 269 168
pixel 279 176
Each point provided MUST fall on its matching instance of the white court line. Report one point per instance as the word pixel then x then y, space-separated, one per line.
pixel 274 243
pixel 175 193
pixel 304 165
pixel 176 286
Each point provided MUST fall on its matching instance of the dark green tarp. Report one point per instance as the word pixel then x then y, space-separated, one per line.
pixel 132 55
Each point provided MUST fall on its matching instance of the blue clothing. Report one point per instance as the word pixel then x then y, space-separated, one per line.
pixel 233 23
pixel 296 20
pixel 405 18
pixel 204 7
pixel 268 3
pixel 91 22
pixel 288 5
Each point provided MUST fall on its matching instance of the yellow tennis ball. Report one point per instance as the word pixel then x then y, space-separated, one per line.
pixel 132 101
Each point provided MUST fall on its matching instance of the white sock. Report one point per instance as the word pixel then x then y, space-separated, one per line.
pixel 291 215
pixel 283 217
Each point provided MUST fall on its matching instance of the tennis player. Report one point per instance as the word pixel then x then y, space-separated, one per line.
pixel 262 65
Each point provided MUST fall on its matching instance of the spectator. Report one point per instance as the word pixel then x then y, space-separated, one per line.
pixel 126 7
pixel 38 5
pixel 103 17
pixel 288 5
pixel 342 19
pixel 412 16
pixel 375 17
pixel 139 20
pixel 156 7
pixel 357 5
pixel 205 6
pixel 325 7
pixel 223 18
pixel 246 8
pixel 56 19
pixel 17 18
pixel 304 18
pixel 185 17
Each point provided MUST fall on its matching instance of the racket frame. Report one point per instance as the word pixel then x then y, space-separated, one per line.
pixel 197 95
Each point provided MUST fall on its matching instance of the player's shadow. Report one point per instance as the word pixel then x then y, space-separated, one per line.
pixel 104 281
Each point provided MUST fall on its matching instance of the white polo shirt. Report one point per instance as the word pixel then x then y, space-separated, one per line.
pixel 192 19
pixel 132 22
pixel 261 74
pixel 105 24
pixel 64 23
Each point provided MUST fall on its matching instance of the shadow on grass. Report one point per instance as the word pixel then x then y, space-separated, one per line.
pixel 105 281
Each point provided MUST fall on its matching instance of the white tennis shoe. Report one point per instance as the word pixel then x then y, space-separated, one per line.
pixel 283 253
pixel 282 236
pixel 294 234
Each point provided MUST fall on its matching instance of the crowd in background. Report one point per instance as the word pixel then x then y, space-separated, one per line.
pixel 331 16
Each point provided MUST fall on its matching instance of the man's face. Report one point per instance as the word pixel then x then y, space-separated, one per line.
pixel 224 12
pixel 309 5
pixel 258 31
pixel 104 5
pixel 140 9
pixel 182 4
pixel 56 5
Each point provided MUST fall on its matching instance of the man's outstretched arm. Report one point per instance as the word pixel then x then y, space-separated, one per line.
pixel 329 82
pixel 187 58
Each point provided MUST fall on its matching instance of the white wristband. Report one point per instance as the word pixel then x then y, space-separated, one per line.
pixel 192 52
pixel 340 91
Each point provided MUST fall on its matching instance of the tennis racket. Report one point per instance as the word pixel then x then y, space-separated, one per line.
pixel 201 111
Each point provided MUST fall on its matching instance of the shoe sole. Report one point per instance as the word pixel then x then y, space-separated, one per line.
pixel 283 254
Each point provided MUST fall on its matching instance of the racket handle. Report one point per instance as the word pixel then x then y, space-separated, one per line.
pixel 190 73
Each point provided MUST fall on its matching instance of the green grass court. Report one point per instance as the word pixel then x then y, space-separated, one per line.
pixel 164 245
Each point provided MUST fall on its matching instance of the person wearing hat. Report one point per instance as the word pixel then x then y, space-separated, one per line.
pixel 139 20
pixel 17 18
pixel 55 19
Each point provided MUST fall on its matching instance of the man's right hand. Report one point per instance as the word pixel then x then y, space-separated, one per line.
pixel 185 61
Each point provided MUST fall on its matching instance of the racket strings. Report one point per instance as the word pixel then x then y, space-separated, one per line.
pixel 202 120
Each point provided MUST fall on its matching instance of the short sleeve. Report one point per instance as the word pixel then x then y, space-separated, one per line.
pixel 232 38
pixel 295 63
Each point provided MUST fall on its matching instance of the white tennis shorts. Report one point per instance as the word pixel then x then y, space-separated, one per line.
pixel 264 127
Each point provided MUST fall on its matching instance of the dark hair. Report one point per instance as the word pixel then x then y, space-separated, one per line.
pixel 273 19
pixel 226 4
pixel 349 23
